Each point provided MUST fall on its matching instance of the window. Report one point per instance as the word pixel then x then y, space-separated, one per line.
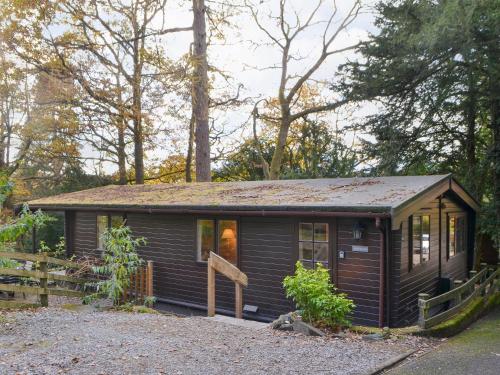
pixel 103 223
pixel 206 238
pixel 421 239
pixel 225 244
pixel 227 240
pixel 456 234
pixel 313 244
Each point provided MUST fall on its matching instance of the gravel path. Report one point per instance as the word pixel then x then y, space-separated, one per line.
pixel 55 340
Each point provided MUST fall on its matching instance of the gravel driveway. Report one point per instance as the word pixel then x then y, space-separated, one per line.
pixel 55 340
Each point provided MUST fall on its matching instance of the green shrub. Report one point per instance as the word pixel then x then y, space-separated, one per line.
pixel 120 261
pixel 317 297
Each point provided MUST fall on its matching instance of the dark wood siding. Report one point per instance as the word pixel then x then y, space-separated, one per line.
pixel 267 256
pixel 85 236
pixel 358 273
pixel 454 267
pixel 423 278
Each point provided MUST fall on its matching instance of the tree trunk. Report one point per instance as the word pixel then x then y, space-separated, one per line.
pixel 136 112
pixel 200 92
pixel 275 167
pixel 189 156
pixel 122 164
pixel 470 141
pixel 495 126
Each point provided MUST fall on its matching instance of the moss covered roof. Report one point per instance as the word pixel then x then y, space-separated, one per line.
pixel 342 194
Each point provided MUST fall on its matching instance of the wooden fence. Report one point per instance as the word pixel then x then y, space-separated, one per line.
pixel 219 264
pixel 41 276
pixel 141 284
pixel 482 283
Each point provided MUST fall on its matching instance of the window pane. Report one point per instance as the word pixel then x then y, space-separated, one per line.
pixel 451 236
pixel 460 234
pixel 228 240
pixel 205 239
pixel 320 232
pixel 102 226
pixel 306 251
pixel 305 232
pixel 321 252
pixel 116 221
pixel 308 264
pixel 416 238
pixel 426 237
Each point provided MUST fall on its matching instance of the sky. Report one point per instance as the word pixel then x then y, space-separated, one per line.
pixel 246 56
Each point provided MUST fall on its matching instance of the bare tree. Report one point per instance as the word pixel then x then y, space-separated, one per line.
pixel 119 39
pixel 290 25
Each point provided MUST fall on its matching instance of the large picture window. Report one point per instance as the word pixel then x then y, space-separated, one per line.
pixel 313 244
pixel 456 234
pixel 225 243
pixel 421 239
pixel 103 223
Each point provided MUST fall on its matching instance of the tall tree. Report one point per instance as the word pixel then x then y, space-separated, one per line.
pixel 434 70
pixel 118 38
pixel 283 29
pixel 200 92
pixel 15 105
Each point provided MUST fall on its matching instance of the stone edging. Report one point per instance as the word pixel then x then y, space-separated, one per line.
pixel 390 363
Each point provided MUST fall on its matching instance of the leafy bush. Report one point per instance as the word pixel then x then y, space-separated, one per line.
pixel 316 296
pixel 120 261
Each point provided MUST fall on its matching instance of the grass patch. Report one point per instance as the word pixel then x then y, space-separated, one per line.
pixel 365 330
pixel 17 305
pixel 140 309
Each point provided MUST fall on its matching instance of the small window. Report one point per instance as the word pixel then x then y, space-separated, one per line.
pixel 225 244
pixel 116 221
pixel 102 226
pixel 313 244
pixel 456 234
pixel 103 223
pixel 421 239
pixel 206 239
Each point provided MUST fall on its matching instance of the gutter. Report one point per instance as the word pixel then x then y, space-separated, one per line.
pixel 221 211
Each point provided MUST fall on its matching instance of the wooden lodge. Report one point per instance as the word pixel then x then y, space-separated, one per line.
pixel 385 240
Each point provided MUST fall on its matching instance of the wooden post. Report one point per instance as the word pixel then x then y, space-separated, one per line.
pixel 458 296
pixel 142 284
pixel 472 274
pixel 211 289
pixel 150 278
pixel 238 308
pixel 136 285
pixel 424 310
pixel 44 297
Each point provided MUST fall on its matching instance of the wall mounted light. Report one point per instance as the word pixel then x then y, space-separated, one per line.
pixel 357 231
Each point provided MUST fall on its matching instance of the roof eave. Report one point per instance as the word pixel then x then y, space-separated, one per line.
pixel 370 211
pixel 403 210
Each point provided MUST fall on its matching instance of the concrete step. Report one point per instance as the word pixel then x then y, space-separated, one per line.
pixel 251 324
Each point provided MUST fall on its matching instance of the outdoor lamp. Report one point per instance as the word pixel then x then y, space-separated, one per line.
pixel 357 231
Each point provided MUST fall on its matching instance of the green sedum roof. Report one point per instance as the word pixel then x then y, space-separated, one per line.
pixel 340 194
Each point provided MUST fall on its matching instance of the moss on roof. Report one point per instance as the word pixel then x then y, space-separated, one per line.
pixel 381 192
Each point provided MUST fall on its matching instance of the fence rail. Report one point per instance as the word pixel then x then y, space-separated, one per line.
pixel 482 283
pixel 42 274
